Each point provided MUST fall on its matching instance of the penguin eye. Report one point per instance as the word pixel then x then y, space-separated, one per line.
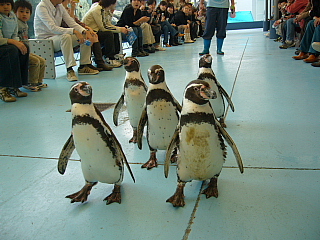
pixel 76 89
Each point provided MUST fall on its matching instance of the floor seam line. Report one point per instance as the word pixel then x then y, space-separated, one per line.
pixel 160 164
pixel 193 214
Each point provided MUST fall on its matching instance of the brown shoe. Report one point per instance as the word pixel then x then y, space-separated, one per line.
pixel 17 92
pixel 315 64
pixel 311 59
pixel 302 55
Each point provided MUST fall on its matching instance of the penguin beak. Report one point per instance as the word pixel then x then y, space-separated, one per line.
pixel 207 93
pixel 126 62
pixel 85 89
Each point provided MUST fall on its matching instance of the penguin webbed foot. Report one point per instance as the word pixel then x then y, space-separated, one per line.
pixel 212 189
pixel 152 162
pixel 115 196
pixel 134 138
pixel 177 199
pixel 82 195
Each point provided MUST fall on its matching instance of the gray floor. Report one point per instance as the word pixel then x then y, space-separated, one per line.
pixel 275 125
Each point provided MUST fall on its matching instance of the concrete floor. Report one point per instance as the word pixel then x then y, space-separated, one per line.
pixel 275 125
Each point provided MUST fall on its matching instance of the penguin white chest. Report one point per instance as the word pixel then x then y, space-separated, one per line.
pixel 135 98
pixel 200 154
pixel 97 160
pixel 162 121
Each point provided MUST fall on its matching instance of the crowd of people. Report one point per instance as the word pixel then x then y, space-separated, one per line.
pixel 96 34
pixel 299 26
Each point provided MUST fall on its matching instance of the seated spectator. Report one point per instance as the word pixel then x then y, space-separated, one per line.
pixel 166 27
pixel 150 11
pixel 37 64
pixel 47 25
pixel 96 46
pixel 171 11
pixel 181 21
pixel 312 34
pixel 293 7
pixel 131 17
pixel 14 55
pixel 193 23
pixel 99 19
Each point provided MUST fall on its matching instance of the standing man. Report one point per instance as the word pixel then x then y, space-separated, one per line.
pixel 47 25
pixel 216 20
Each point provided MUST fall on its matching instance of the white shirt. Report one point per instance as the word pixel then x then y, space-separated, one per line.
pixel 48 18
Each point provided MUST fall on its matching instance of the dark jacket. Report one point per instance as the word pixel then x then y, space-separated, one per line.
pixel 128 18
pixel 180 18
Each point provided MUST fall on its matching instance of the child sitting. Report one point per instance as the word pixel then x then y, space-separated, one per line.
pixel 37 64
pixel 14 55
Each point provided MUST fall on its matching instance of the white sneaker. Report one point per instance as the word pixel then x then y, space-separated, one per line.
pixel 71 76
pixel 120 57
pixel 158 48
pixel 114 63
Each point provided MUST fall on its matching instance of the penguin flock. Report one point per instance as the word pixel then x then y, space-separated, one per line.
pixel 192 134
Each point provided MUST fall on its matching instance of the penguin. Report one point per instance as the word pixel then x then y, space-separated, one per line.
pixel 199 138
pixel 133 95
pixel 206 73
pixel 102 158
pixel 161 113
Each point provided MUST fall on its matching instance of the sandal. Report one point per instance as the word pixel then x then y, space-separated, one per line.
pixel 42 85
pixel 32 88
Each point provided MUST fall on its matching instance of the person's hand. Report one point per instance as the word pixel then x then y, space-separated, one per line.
pixel 73 4
pixel 316 22
pixel 79 36
pixel 23 49
pixel 124 30
pixel 145 19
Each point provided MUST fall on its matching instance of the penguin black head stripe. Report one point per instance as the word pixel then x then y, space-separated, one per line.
pixel 81 92
pixel 156 74
pixel 131 64
pixel 199 92
pixel 205 61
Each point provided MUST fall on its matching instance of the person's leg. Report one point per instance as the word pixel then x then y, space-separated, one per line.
pixel 306 41
pixel 34 72
pixel 211 19
pixel 165 32
pixel 221 28
pixel 64 43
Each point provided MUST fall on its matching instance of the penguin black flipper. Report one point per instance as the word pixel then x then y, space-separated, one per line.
pixel 114 139
pixel 226 96
pixel 232 144
pixel 65 154
pixel 142 123
pixel 117 109
pixel 172 145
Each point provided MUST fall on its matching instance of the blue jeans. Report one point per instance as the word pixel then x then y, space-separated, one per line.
pixel 289 30
pixel 167 29
pixel 311 35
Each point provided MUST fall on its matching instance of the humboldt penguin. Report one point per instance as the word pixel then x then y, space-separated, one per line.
pixel 199 139
pixel 161 113
pixel 102 158
pixel 206 73
pixel 133 95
